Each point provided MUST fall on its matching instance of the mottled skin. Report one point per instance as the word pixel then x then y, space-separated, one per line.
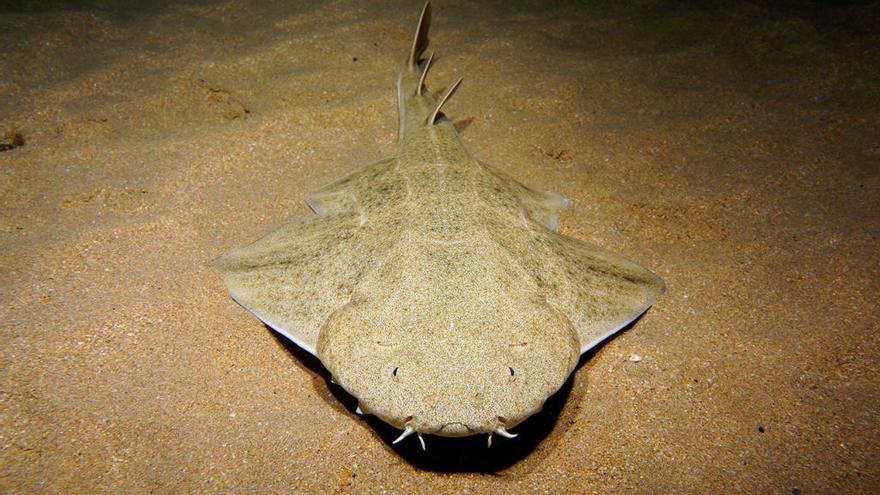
pixel 433 287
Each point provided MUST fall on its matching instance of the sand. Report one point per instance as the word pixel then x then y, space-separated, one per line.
pixel 733 149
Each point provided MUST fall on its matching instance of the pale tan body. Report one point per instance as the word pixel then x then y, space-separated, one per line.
pixel 434 288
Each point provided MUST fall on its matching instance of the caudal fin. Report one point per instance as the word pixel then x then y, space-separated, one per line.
pixel 417 106
pixel 420 42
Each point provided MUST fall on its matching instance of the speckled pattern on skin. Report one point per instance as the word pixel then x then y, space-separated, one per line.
pixel 434 288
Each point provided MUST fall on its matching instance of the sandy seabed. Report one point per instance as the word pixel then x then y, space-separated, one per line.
pixel 735 150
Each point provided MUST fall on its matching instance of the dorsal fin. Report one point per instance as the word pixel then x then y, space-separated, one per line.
pixel 445 97
pixel 420 42
pixel 424 73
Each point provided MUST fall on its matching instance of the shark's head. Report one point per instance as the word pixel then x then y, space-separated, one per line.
pixel 449 378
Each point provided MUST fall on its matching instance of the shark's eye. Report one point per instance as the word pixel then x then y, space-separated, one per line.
pixel 394 371
pixel 510 370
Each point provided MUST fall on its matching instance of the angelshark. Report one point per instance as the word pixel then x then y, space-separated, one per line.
pixel 433 287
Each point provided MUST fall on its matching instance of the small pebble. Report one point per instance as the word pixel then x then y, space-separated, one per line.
pixel 634 358
pixel 11 140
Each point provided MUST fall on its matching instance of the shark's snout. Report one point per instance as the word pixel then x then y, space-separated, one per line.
pixel 450 385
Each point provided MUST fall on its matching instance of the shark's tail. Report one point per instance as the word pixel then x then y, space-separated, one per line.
pixel 420 42
pixel 416 105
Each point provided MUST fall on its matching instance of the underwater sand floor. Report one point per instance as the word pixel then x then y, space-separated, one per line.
pixel 731 149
